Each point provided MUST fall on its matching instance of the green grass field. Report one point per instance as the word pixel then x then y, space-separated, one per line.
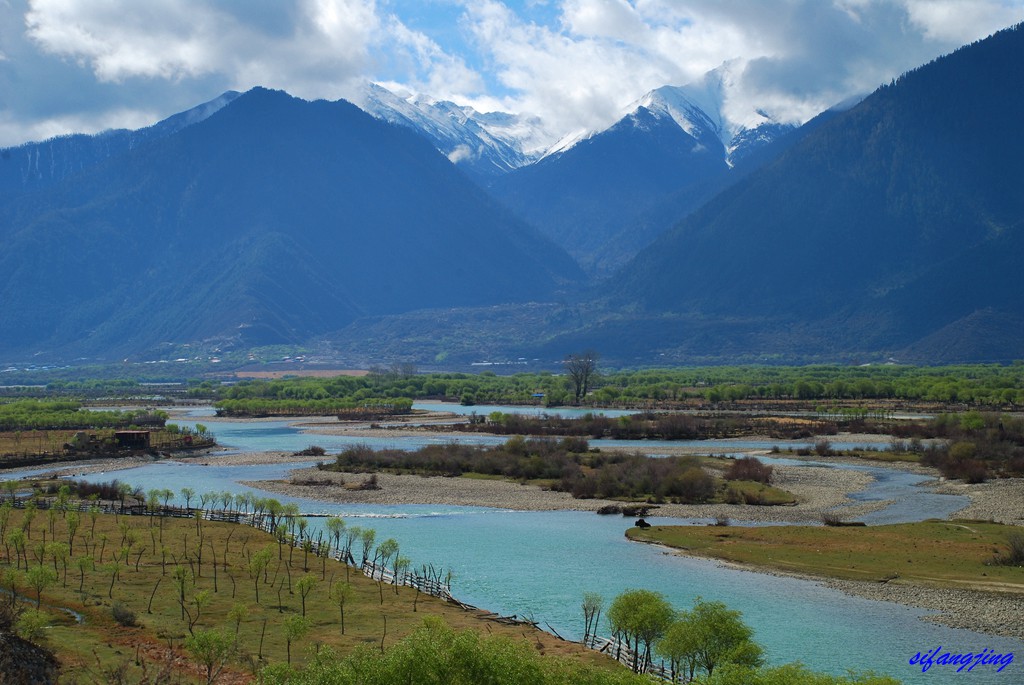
pixel 938 553
pixel 99 648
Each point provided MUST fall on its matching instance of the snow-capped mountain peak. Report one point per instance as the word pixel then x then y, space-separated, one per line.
pixel 703 107
pixel 485 145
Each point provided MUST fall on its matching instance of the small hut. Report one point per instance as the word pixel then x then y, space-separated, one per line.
pixel 132 440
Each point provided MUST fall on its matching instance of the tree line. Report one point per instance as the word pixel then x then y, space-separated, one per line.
pixel 24 415
pixel 983 385
pixel 646 425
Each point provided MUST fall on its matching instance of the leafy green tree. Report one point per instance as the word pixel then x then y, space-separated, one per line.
pixel 640 617
pixel 59 551
pixel 680 645
pixel 341 591
pixel 27 516
pixel 385 551
pixel 335 528
pixel 39 578
pixel 199 602
pixel 257 567
pixel 16 539
pixel 305 585
pixel 31 625
pixel 5 516
pixel 295 628
pixel 83 564
pixel 10 578
pixel 720 637
pixel 114 569
pixel 73 521
pixel 211 648
pixel 182 577
pixel 400 567
pixel 367 536
pixel 238 613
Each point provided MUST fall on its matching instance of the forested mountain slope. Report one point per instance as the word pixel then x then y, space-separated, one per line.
pixel 272 220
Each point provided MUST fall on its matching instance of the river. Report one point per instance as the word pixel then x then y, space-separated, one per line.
pixel 538 564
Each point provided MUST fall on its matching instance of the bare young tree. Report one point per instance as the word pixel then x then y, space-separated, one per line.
pixel 582 369
pixel 592 605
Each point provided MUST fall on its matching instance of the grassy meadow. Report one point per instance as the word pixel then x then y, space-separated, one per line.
pixel 179 576
pixel 938 553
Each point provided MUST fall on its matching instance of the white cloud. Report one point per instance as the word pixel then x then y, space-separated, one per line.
pixel 962 21
pixel 575 63
pixel 460 153
pixel 570 80
pixel 50 127
pixel 430 68
pixel 791 57
pixel 312 48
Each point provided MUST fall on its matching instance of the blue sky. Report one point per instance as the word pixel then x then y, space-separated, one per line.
pixel 87 65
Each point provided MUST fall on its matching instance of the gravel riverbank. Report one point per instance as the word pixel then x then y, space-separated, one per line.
pixel 817 490
pixel 989 612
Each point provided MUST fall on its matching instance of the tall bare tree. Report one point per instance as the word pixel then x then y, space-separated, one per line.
pixel 582 370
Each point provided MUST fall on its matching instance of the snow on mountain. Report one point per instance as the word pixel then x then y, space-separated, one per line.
pixel 702 109
pixel 485 144
pixel 491 144
pixel 189 117
pixel 569 140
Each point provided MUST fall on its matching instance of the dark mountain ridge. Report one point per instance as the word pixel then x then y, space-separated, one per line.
pixel 894 220
pixel 893 229
pixel 272 220
pixel 584 195
pixel 32 166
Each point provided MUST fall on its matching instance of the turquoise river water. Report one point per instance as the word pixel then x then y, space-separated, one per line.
pixel 538 564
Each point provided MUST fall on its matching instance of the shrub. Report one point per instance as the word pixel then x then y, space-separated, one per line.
pixel 31 625
pixel 108 490
pixel 694 485
pixel 754 498
pixel 1015 555
pixel 123 615
pixel 575 445
pixel 749 468
pixel 369 484
pixel 831 518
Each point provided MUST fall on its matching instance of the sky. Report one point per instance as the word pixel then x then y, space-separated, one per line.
pixel 88 65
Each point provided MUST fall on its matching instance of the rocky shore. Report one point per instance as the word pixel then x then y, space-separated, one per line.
pixel 992 613
pixel 999 500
